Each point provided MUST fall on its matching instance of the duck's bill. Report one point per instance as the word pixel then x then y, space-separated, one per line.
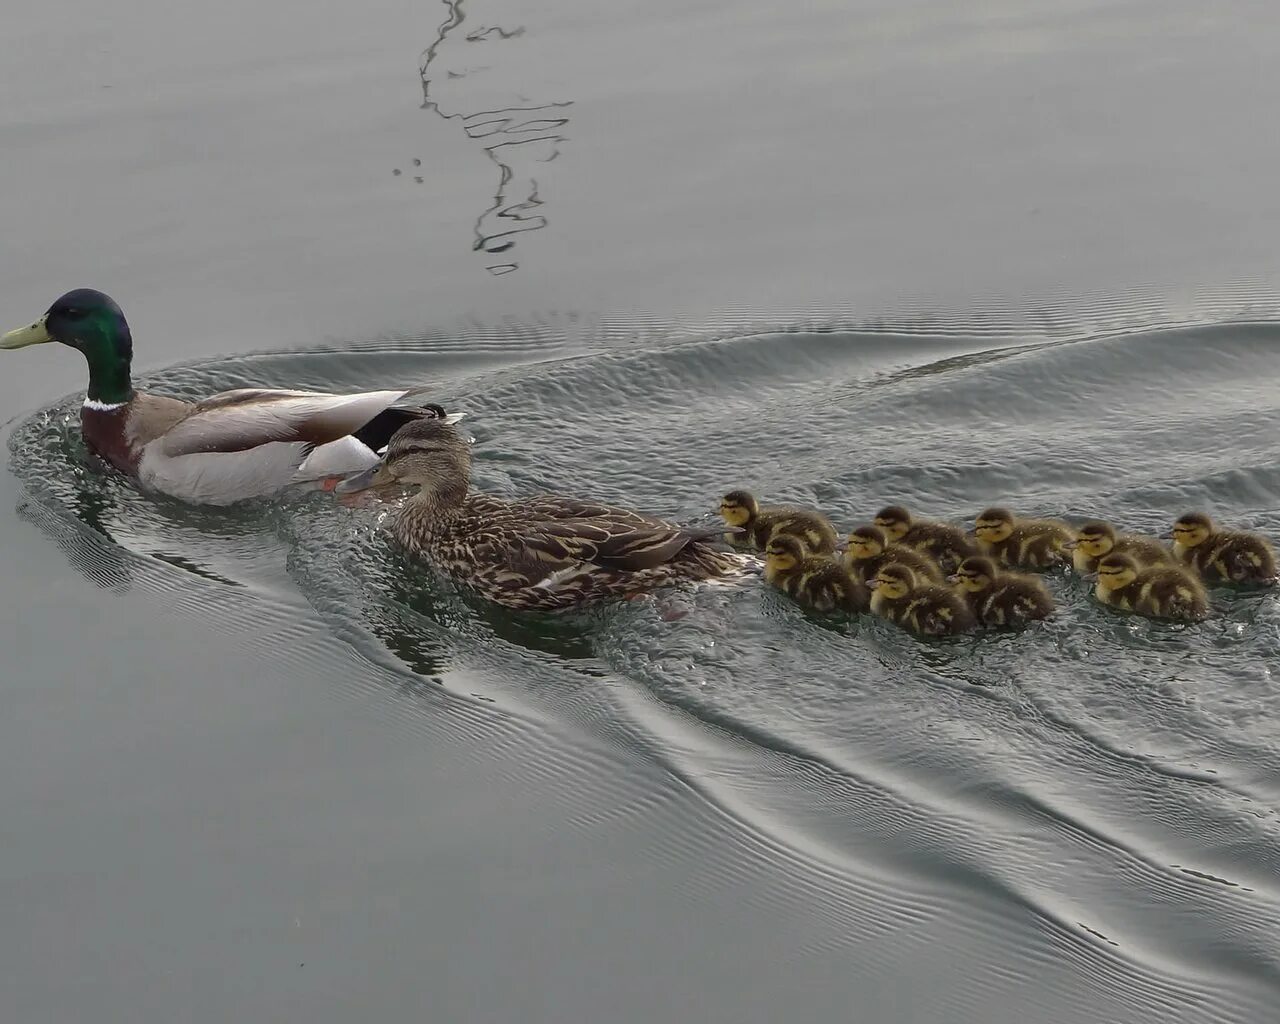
pixel 374 476
pixel 1070 545
pixel 33 334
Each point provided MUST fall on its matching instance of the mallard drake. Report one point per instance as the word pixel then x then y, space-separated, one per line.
pixel 819 582
pixel 1000 598
pixel 945 544
pixel 543 553
pixel 1158 592
pixel 758 524
pixel 1022 543
pixel 925 608
pixel 1223 556
pixel 234 445
pixel 869 548
pixel 1095 540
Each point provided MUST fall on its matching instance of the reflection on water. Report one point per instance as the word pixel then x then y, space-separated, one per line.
pixel 518 137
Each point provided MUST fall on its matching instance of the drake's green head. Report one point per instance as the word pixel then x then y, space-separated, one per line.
pixel 89 321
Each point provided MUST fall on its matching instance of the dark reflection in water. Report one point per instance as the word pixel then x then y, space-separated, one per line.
pixel 518 138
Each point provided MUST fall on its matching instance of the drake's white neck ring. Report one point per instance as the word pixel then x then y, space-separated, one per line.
pixel 96 406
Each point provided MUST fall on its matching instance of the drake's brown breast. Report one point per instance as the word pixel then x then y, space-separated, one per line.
pixel 106 433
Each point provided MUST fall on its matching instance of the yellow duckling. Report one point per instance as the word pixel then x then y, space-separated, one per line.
pixel 1158 591
pixel 870 548
pixel 740 509
pixel 815 581
pixel 1022 543
pixel 1096 539
pixel 1226 556
pixel 1001 598
pixel 925 608
pixel 945 544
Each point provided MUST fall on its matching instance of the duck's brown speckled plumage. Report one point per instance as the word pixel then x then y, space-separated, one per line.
pixel 544 553
pixel 1223 556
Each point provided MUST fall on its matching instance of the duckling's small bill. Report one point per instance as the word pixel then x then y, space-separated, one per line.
pixel 33 334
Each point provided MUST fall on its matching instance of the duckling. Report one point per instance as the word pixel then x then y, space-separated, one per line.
pixel 1001 598
pixel 740 508
pixel 925 608
pixel 870 548
pixel 1022 543
pixel 1156 591
pixel 1227 556
pixel 1095 540
pixel 944 543
pixel 815 581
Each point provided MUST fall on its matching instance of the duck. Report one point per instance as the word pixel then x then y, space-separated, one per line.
pixel 542 553
pixel 869 548
pixel 741 510
pixel 1000 598
pixel 1022 543
pixel 246 443
pixel 819 582
pixel 945 544
pixel 1223 556
pixel 1096 539
pixel 899 596
pixel 1155 591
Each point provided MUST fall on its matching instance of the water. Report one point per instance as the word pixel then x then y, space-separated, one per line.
pixel 258 766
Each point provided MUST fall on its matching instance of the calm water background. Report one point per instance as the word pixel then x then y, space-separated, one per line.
pixel 254 767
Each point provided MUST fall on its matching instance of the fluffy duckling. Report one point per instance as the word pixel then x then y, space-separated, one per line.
pixel 815 581
pixel 1095 540
pixel 945 544
pixel 1022 543
pixel 740 509
pixel 870 548
pixel 1158 591
pixel 1001 598
pixel 925 608
pixel 1226 556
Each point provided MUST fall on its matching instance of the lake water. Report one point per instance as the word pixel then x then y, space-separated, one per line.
pixel 254 766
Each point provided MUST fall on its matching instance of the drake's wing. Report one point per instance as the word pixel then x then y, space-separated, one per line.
pixel 237 421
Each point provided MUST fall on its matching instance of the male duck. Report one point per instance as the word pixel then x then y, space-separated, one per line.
pixel 543 553
pixel 234 445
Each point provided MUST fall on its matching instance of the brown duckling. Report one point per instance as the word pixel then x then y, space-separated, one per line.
pixel 740 509
pixel 1001 598
pixel 1096 539
pixel 1156 591
pixel 1223 556
pixel 815 581
pixel 945 544
pixel 1022 543
pixel 870 548
pixel 925 608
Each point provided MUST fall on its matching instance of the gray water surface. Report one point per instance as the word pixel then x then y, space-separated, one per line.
pixel 256 766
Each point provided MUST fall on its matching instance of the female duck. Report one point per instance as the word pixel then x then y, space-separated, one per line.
pixel 1022 543
pixel 815 581
pixel 1001 598
pixel 869 549
pixel 945 544
pixel 1095 540
pixel 234 445
pixel 925 608
pixel 740 509
pixel 1158 592
pixel 1223 556
pixel 545 553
